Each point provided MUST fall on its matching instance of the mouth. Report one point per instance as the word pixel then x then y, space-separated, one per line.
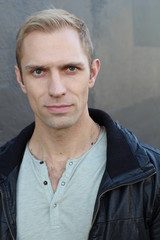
pixel 59 108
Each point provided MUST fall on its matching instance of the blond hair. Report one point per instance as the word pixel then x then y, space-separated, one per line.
pixel 49 21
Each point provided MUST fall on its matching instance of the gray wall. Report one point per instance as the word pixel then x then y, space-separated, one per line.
pixel 126 36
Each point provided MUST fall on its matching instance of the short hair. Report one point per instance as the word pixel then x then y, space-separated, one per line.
pixel 51 20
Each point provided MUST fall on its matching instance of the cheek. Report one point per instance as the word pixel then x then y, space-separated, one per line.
pixel 80 90
pixel 84 95
pixel 34 90
pixel 34 96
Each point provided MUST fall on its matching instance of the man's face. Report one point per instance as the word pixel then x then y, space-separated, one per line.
pixel 56 77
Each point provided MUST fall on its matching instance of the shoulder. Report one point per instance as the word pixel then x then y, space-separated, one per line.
pixel 153 154
pixel 20 139
pixel 11 153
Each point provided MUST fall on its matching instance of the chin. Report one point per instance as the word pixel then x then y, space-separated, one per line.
pixel 60 125
pixel 61 122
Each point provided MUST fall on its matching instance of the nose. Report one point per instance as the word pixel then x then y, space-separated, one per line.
pixel 56 86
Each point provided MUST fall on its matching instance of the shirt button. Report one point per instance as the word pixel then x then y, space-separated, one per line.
pixel 45 182
pixel 63 183
pixel 55 205
pixel 70 163
pixel 41 162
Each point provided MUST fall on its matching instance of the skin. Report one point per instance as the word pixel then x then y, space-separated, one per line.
pixel 56 78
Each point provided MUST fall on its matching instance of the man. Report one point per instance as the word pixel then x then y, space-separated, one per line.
pixel 74 173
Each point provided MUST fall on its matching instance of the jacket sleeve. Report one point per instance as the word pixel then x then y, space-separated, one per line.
pixel 4 231
pixel 155 225
pixel 155 196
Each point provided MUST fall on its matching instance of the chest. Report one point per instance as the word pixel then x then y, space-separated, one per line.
pixel 55 173
pixel 70 207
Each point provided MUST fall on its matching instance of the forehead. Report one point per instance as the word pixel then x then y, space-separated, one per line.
pixel 60 44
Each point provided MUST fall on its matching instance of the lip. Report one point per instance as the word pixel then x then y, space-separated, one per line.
pixel 59 108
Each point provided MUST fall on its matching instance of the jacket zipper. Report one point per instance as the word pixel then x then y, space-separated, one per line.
pixel 122 185
pixel 6 215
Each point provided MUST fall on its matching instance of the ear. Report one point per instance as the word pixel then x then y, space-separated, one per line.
pixel 95 67
pixel 19 79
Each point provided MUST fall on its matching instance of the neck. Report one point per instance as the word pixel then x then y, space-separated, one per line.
pixel 53 145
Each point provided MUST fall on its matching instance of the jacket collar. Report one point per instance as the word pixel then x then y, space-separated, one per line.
pixel 125 157
pixel 127 160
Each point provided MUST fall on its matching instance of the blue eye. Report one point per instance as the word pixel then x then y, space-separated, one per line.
pixel 38 71
pixel 72 68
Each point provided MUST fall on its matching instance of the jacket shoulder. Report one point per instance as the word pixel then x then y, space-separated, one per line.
pixel 154 155
pixel 20 139
pixel 11 153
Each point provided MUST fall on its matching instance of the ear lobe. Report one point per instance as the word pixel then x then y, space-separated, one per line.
pixel 19 79
pixel 95 67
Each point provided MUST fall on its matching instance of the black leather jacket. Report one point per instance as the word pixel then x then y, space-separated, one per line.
pixel 128 200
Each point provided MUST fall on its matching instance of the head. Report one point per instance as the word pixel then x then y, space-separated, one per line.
pixel 49 21
pixel 56 68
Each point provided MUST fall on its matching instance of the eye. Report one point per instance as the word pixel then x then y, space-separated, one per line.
pixel 38 71
pixel 72 68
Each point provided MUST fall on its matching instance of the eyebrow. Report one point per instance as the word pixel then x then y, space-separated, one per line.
pixel 32 66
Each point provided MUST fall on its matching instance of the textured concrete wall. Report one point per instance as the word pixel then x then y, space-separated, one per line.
pixel 126 36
